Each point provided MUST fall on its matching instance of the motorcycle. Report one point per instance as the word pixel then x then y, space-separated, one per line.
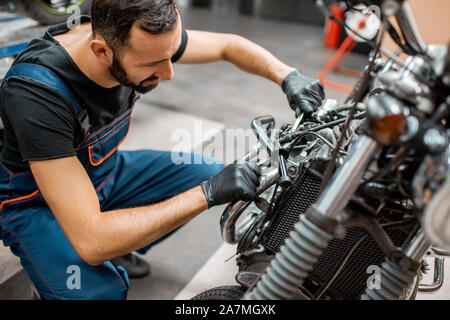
pixel 48 12
pixel 352 199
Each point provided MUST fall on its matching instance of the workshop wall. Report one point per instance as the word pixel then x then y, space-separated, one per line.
pixel 287 10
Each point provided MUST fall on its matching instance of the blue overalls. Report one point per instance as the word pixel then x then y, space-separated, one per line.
pixel 122 179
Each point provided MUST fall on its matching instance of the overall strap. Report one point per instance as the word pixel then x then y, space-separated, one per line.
pixel 47 77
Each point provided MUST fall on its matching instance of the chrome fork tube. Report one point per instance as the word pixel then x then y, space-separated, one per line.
pixel 397 277
pixel 296 258
pixel 347 179
pixel 418 247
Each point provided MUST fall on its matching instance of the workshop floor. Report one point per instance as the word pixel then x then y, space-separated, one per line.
pixel 214 97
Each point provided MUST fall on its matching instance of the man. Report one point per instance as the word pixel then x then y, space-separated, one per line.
pixel 70 202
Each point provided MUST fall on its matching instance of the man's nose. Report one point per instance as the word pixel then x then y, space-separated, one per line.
pixel 165 70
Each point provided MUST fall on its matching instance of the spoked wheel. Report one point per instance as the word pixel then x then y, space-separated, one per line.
pixel 49 12
pixel 222 293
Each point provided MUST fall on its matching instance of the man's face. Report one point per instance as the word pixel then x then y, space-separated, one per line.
pixel 146 60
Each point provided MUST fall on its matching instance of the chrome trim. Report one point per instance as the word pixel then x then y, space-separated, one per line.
pixel 261 135
pixel 417 247
pixel 438 277
pixel 347 179
pixel 297 123
pixel 249 156
pixel 409 28
pixel 234 210
pixel 440 252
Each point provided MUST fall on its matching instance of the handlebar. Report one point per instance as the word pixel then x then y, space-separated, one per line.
pixel 261 135
pixel 409 28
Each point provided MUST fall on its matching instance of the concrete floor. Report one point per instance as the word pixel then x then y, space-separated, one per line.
pixel 218 96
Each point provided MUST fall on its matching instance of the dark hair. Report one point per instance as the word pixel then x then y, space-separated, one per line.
pixel 113 19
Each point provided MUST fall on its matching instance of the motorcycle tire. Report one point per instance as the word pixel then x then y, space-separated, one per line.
pixel 222 293
pixel 49 13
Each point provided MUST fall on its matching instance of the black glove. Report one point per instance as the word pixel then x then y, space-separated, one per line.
pixel 304 94
pixel 236 182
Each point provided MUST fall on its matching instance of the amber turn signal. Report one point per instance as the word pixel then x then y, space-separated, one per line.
pixel 387 121
pixel 388 130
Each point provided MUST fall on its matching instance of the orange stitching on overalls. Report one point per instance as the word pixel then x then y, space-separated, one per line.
pixel 100 187
pixel 95 164
pixel 18 199
pixel 120 118
pixel 10 218
pixel 117 126
pixel 80 146
pixel 118 130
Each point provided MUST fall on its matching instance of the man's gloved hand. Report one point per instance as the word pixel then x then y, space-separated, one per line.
pixel 304 94
pixel 236 182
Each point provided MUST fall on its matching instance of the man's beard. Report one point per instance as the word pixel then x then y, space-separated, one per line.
pixel 120 75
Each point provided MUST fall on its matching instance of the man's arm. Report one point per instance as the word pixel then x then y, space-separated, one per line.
pixel 205 47
pixel 99 236
pixel 304 94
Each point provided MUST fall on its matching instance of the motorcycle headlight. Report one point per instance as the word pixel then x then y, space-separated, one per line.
pixel 387 120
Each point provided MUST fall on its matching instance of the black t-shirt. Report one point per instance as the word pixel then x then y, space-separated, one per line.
pixel 39 124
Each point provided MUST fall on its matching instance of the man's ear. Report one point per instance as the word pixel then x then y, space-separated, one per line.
pixel 101 50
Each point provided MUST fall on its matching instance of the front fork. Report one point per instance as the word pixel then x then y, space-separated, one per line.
pixel 296 258
pixel 311 235
pixel 396 277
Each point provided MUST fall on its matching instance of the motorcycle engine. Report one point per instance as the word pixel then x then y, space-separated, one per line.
pixel 342 270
